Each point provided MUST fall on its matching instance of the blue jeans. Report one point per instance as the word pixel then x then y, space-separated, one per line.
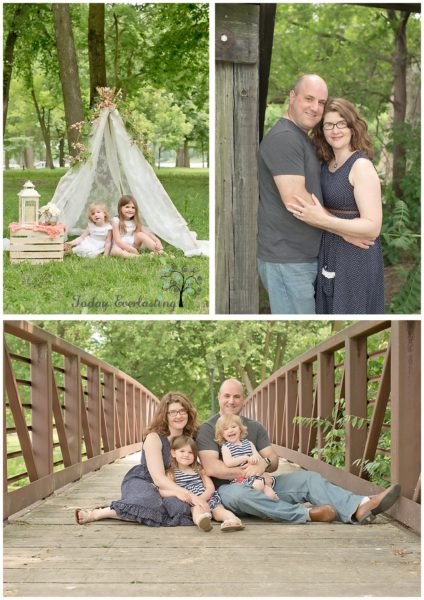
pixel 290 286
pixel 293 489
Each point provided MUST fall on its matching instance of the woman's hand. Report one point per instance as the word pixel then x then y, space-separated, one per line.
pixel 183 495
pixel 200 502
pixel 312 214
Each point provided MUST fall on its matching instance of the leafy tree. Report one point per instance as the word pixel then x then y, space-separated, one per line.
pixel 165 355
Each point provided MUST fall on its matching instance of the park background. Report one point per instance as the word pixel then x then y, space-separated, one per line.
pixel 195 357
pixel 157 55
pixel 371 56
pixel 367 53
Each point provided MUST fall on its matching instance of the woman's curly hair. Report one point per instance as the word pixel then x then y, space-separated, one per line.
pixel 360 139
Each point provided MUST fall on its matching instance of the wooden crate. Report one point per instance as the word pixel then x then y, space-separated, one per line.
pixel 35 246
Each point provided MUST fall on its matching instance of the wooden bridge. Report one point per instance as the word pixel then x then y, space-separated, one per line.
pixel 73 414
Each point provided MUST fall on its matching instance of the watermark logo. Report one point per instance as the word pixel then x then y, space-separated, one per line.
pixel 181 281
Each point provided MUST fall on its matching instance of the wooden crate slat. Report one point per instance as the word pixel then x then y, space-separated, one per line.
pixel 35 246
pixel 28 246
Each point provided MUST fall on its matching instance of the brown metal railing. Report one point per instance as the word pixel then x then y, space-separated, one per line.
pixel 370 371
pixel 66 413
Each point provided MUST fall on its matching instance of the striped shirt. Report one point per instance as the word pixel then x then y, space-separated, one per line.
pixel 243 449
pixel 189 481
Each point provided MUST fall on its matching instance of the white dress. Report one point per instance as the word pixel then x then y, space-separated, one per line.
pixel 94 243
pixel 130 227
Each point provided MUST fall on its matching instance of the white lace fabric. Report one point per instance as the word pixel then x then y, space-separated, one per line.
pixel 116 166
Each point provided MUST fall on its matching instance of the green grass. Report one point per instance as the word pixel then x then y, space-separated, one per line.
pixel 108 285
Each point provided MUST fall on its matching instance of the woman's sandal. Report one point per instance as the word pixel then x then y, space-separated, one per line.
pixel 204 522
pixel 229 525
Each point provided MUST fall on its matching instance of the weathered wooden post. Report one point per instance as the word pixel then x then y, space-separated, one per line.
pixel 243 52
pixel 237 93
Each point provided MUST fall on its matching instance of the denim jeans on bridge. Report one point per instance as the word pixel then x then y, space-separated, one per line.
pixel 290 286
pixel 293 489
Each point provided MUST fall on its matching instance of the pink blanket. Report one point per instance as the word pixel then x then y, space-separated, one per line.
pixel 51 230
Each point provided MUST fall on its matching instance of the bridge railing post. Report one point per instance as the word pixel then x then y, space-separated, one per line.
pixel 406 405
pixel 60 399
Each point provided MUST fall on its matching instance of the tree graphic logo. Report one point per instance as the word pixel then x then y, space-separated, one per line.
pixel 182 281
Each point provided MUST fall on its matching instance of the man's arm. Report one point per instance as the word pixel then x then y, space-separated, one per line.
pixel 291 185
pixel 214 467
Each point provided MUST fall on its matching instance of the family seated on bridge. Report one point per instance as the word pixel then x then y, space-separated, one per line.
pixel 122 235
pixel 170 488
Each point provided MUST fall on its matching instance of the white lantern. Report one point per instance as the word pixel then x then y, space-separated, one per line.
pixel 28 204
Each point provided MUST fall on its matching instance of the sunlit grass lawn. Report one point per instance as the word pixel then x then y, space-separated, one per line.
pixel 108 285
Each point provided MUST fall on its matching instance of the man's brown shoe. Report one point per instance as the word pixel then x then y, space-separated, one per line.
pixel 325 513
pixel 377 504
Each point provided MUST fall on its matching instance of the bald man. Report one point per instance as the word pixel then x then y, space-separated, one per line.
pixel 287 163
pixel 293 489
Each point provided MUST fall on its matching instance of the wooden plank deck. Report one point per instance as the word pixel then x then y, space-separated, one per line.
pixel 47 554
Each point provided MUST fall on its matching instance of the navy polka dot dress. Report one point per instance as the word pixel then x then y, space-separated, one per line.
pixel 350 280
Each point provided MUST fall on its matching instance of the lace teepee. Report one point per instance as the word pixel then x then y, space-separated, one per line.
pixel 116 167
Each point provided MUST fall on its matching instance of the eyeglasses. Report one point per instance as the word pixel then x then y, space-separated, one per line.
pixel 339 125
pixel 174 413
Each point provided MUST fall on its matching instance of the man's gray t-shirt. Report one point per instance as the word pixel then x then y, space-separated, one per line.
pixel 205 439
pixel 286 150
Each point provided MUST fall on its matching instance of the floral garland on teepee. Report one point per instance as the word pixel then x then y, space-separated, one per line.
pixel 111 99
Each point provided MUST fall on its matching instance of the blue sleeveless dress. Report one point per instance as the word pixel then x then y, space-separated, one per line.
pixel 141 502
pixel 350 280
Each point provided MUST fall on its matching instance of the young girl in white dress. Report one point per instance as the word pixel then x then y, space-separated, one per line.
pixel 97 238
pixel 237 451
pixel 188 473
pixel 129 235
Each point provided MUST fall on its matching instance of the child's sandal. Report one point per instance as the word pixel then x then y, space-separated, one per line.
pixel 203 522
pixel 231 525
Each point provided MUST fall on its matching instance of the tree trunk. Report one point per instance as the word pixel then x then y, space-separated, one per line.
pixel 116 53
pixel 183 158
pixel 68 70
pixel 96 49
pixel 45 129
pixel 399 94
pixel 9 49
pixel 62 152
pixel 28 158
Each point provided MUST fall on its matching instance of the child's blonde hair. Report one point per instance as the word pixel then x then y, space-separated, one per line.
pixel 123 201
pixel 102 207
pixel 225 421
pixel 180 442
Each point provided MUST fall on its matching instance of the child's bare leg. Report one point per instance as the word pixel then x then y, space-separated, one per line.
pixel 142 238
pixel 259 485
pixel 117 251
pixel 229 520
pixel 201 519
pixel 97 514
pixel 268 491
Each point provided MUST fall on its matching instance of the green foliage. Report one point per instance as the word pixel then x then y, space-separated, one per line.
pixel 408 299
pixel 183 352
pixel 333 451
pixel 156 53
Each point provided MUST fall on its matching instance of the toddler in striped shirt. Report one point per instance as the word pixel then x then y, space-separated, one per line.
pixel 237 451
pixel 188 473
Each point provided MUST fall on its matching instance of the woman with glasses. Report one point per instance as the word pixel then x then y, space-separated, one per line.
pixel 350 266
pixel 140 499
